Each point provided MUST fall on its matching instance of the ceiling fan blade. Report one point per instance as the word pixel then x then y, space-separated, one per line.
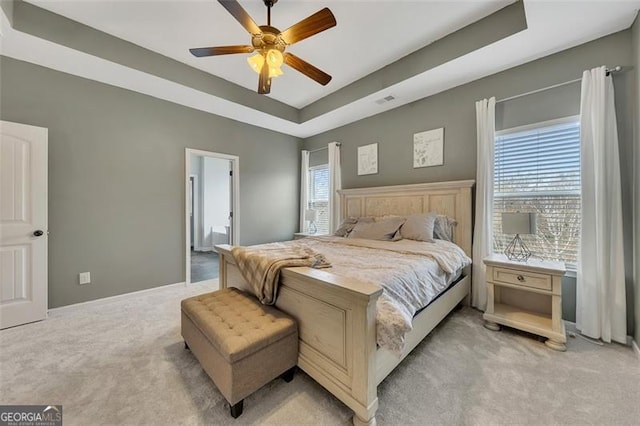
pixel 220 50
pixel 318 22
pixel 264 82
pixel 241 15
pixel 307 69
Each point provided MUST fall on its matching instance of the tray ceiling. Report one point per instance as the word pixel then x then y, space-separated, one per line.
pixel 408 49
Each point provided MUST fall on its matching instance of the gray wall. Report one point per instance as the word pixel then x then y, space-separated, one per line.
pixel 455 111
pixel 116 179
pixel 563 101
pixel 636 210
pixel 317 158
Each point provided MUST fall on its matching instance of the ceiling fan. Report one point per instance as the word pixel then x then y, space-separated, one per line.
pixel 271 43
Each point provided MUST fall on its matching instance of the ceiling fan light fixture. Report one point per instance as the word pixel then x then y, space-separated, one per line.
pixel 274 58
pixel 275 72
pixel 255 62
pixel 275 61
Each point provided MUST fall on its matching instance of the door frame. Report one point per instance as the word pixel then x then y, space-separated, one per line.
pixel 196 211
pixel 235 205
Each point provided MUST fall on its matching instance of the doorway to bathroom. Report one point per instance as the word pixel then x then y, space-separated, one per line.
pixel 211 210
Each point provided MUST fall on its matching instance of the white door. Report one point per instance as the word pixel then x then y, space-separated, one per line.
pixel 23 224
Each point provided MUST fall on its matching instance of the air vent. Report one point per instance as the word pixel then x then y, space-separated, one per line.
pixel 385 99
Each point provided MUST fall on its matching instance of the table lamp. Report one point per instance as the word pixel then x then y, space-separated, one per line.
pixel 311 216
pixel 518 223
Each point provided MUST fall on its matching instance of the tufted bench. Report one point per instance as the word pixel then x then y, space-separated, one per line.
pixel 240 343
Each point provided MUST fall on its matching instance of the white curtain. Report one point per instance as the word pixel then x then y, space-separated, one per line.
pixel 483 228
pixel 335 184
pixel 601 304
pixel 304 188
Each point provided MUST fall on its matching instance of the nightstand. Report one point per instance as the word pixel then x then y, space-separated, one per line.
pixel 526 296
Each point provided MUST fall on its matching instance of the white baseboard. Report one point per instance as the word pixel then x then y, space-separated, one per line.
pixel 203 283
pixel 109 299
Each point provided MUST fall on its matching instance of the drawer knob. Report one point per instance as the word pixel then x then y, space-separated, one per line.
pixel 520 278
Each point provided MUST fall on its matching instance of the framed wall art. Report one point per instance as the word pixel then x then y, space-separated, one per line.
pixel 428 148
pixel 368 159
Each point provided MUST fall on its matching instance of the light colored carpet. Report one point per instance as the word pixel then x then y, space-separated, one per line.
pixel 124 362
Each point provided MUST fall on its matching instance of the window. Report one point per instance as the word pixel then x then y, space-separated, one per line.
pixel 537 169
pixel 319 195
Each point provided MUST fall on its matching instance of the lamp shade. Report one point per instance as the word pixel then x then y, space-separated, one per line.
pixel 274 60
pixel 311 215
pixel 255 62
pixel 518 223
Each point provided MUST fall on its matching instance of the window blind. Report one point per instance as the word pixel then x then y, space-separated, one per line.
pixel 538 170
pixel 319 195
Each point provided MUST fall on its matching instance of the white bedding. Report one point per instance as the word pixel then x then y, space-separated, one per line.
pixel 411 273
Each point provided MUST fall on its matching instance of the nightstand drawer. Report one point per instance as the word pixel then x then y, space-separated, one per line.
pixel 527 279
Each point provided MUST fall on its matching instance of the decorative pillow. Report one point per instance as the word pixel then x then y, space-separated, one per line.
pixel 443 227
pixel 346 227
pixel 383 230
pixel 419 227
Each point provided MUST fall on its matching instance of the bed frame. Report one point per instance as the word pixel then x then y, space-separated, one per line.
pixel 337 316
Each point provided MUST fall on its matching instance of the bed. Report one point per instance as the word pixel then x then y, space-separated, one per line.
pixel 337 316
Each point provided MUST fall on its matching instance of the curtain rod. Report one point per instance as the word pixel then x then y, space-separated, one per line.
pixel 617 68
pixel 609 71
pixel 322 149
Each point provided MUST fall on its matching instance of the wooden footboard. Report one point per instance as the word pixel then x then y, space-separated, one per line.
pixel 337 327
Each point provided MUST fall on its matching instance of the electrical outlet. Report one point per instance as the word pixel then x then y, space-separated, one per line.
pixel 85 277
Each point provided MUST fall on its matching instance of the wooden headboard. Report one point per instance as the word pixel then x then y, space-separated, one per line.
pixel 450 198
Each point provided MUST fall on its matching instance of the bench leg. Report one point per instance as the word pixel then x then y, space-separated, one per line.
pixel 236 410
pixel 287 376
pixel 186 346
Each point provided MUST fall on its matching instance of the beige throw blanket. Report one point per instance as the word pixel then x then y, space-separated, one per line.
pixel 260 266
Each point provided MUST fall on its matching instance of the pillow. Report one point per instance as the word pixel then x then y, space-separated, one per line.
pixel 443 227
pixel 419 227
pixel 346 227
pixel 382 230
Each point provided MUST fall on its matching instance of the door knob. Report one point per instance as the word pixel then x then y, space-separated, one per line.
pixel 38 233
